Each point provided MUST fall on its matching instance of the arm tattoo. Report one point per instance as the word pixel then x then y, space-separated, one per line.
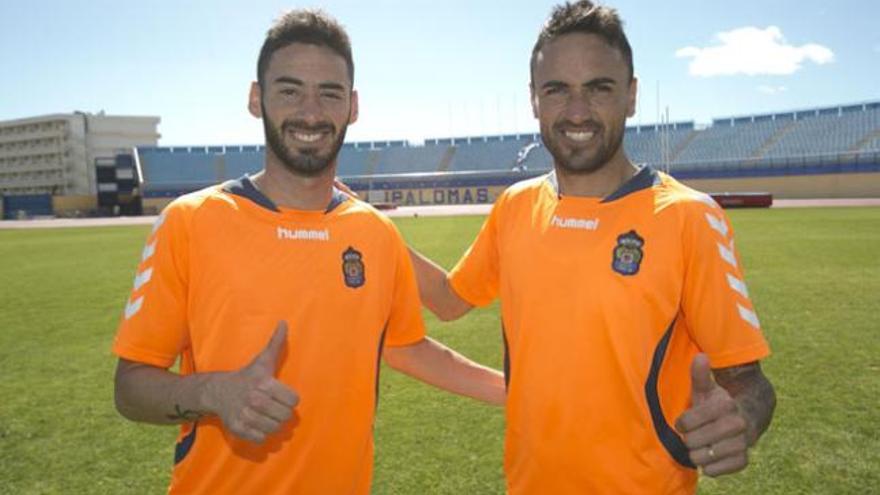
pixel 184 415
pixel 753 393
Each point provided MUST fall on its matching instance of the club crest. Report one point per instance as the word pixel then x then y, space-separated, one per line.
pixel 627 255
pixel 353 268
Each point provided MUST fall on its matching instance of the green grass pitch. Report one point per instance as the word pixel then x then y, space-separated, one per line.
pixel 814 275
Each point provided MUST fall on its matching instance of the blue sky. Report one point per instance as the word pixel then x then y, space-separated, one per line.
pixel 425 68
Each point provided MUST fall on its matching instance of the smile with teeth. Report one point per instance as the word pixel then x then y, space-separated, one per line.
pixel 308 137
pixel 580 136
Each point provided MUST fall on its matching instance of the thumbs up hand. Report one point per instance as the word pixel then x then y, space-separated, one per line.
pixel 251 402
pixel 714 428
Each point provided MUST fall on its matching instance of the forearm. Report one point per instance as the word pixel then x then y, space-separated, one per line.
pixel 154 395
pixel 442 367
pixel 434 289
pixel 753 394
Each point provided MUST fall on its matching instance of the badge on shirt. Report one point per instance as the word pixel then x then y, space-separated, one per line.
pixel 627 255
pixel 353 268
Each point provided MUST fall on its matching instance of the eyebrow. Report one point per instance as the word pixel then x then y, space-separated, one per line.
pixel 289 80
pixel 553 84
pixel 299 82
pixel 591 83
pixel 599 81
pixel 332 85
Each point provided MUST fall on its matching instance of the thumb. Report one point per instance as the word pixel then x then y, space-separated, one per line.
pixel 268 357
pixel 701 379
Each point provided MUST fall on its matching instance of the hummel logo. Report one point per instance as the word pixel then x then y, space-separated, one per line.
pixel 303 234
pixel 575 223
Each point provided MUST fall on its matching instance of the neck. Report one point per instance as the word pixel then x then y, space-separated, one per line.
pixel 598 183
pixel 290 190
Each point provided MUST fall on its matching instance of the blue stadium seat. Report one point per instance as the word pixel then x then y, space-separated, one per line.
pixel 178 170
pixel 742 138
pixel 491 153
pixel 405 160
pixel 538 159
pixel 241 163
pixel 782 143
pixel 829 131
pixel 354 161
pixel 645 144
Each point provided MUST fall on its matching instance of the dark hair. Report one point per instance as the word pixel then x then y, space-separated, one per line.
pixel 313 27
pixel 585 17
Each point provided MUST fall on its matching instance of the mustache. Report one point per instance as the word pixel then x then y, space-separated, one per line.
pixel 301 125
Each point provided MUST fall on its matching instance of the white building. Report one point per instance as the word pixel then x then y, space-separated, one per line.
pixel 55 154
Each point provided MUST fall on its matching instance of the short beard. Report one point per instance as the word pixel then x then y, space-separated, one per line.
pixel 305 164
pixel 583 165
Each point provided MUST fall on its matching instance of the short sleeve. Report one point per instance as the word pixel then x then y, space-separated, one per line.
pixel 476 276
pixel 716 303
pixel 405 323
pixel 154 327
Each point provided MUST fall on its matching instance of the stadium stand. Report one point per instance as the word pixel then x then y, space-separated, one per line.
pixel 177 167
pixel 647 143
pixel 537 157
pixel 829 130
pixel 354 160
pixel 732 138
pixel 487 153
pixel 405 160
pixel 873 144
pixel 755 145
pixel 244 160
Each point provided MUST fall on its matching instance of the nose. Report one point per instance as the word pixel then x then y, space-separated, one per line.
pixel 578 108
pixel 310 110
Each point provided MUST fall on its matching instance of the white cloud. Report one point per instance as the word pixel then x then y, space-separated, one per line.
pixel 772 90
pixel 753 51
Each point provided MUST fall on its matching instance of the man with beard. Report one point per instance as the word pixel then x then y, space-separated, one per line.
pixel 623 304
pixel 278 294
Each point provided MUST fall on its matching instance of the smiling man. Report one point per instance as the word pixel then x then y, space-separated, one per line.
pixel 278 295
pixel 631 345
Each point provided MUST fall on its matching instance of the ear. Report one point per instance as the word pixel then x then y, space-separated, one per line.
pixel 632 97
pixel 254 99
pixel 533 97
pixel 353 114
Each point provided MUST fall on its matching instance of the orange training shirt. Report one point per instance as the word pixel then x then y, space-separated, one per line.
pixel 221 267
pixel 604 303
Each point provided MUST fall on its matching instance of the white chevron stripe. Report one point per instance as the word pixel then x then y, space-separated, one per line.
pixel 717 224
pixel 159 222
pixel 142 278
pixel 727 254
pixel 706 199
pixel 149 250
pixel 133 307
pixel 738 285
pixel 748 315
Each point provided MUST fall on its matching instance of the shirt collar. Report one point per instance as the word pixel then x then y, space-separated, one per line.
pixel 645 178
pixel 244 187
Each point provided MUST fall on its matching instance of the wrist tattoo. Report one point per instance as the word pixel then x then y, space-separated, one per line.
pixel 186 415
pixel 753 393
